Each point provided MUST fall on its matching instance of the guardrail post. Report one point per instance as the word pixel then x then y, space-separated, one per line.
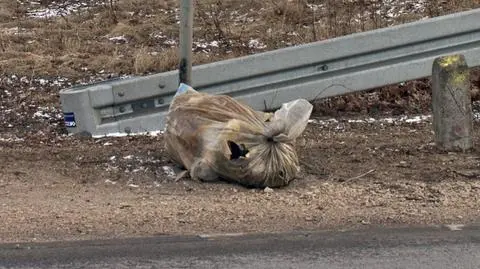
pixel 452 107
pixel 186 36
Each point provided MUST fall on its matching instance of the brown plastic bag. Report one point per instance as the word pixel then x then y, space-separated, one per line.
pixel 216 137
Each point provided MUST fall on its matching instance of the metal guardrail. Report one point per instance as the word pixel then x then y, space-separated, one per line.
pixel 264 81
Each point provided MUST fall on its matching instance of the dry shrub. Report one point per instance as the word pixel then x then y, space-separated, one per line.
pixel 145 6
pixel 168 59
pixel 215 18
pixel 143 61
pixel 5 14
pixel 10 10
pixel 71 44
pixel 27 63
pixel 291 11
pixel 146 61
pixel 6 43
pixel 126 30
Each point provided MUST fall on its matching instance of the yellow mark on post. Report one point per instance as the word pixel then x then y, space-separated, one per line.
pixel 449 60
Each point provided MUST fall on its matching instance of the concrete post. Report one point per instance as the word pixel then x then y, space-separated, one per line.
pixel 186 36
pixel 452 108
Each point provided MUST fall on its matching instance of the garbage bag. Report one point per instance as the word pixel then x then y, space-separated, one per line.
pixel 215 137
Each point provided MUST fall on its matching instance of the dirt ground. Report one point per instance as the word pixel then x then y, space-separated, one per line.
pixel 354 174
pixel 355 171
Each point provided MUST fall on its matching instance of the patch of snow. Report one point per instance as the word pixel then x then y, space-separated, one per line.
pixel 108 181
pixel 405 119
pixel 47 113
pixel 177 15
pixel 356 121
pixel 152 133
pixel 158 35
pixel 418 119
pixel 204 46
pixel 170 42
pixel 397 8
pixel 111 168
pixel 42 114
pixel 11 139
pixel 256 44
pixel 43 82
pixel 315 7
pixel 476 116
pixel 60 8
pixel 24 80
pixel 388 120
pixel 119 39
pixel 138 169
pixel 323 122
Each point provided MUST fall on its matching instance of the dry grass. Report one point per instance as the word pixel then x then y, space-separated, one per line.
pixel 69 45
pixel 146 61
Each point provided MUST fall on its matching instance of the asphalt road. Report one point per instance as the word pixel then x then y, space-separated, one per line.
pixel 424 248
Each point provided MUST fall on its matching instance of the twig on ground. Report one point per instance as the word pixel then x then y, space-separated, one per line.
pixel 360 176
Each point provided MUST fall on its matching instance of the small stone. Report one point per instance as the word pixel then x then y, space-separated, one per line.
pixel 268 190
pixel 123 206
